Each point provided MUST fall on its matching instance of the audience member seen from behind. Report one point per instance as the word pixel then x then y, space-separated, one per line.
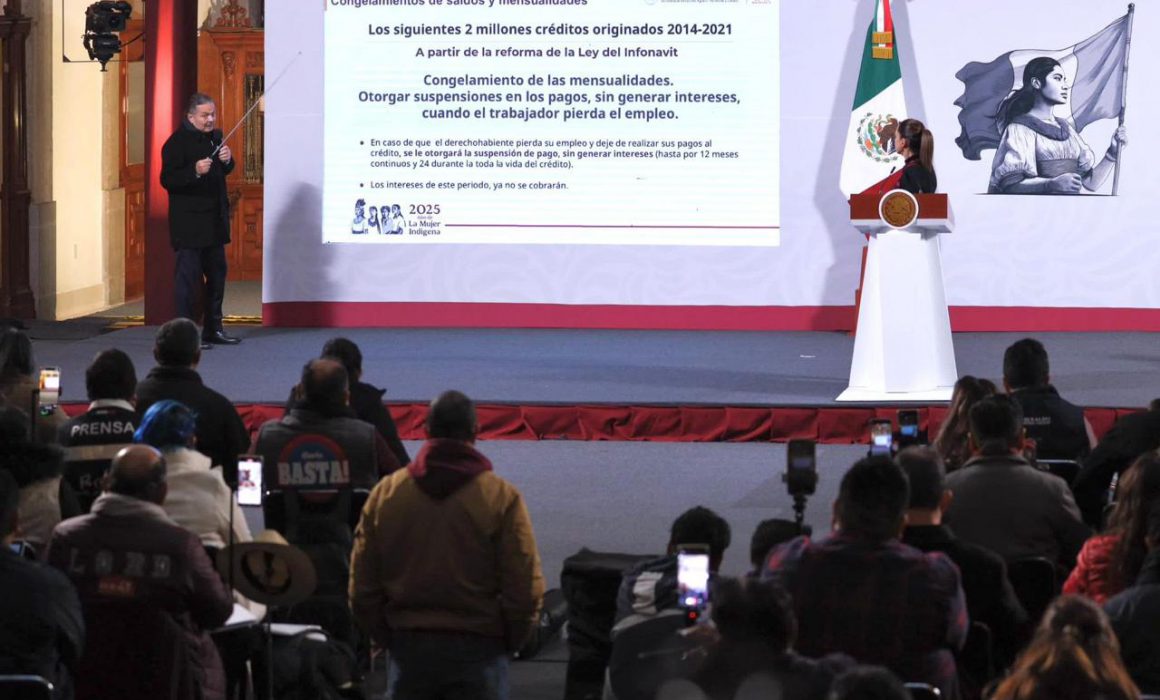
pixel 1111 561
pixel 45 498
pixel 990 597
pixel 41 627
pixel 221 435
pixel 1134 613
pixel 1057 426
pixel 1130 437
pixel 198 498
pixel 366 401
pixel 1002 502
pixel 92 438
pixel 868 683
pixel 19 382
pixel 324 412
pixel 767 535
pixel 753 656
pixel 148 590
pixel 953 439
pixel 1073 656
pixel 864 593
pixel 445 571
pixel 645 648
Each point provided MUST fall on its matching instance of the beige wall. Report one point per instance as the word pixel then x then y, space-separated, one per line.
pixel 67 114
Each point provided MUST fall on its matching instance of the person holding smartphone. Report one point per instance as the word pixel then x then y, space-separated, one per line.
pixel 658 599
pixel 20 385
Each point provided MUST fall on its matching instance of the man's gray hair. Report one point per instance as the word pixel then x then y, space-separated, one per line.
pixel 196 100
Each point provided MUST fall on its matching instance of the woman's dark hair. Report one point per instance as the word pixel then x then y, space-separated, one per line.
pixel 1136 495
pixel 1022 100
pixel 167 424
pixel 347 353
pixel 1074 656
pixel 951 441
pixel 15 355
pixel 919 140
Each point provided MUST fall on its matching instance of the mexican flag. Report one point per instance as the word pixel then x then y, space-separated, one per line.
pixel 878 107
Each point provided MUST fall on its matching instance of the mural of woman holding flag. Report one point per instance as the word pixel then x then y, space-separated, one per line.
pixel 1036 123
pixel 1041 153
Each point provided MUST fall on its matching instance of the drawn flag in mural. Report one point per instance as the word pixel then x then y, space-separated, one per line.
pixel 1095 73
pixel 879 105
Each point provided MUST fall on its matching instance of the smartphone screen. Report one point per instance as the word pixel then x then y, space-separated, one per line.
pixel 801 455
pixel 249 480
pixel 49 386
pixel 693 578
pixel 881 437
pixel 907 427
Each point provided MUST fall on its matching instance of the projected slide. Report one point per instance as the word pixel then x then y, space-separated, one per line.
pixel 604 122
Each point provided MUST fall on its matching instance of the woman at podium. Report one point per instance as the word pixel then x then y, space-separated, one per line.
pixel 914 142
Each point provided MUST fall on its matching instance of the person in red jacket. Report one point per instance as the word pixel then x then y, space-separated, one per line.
pixel 1111 561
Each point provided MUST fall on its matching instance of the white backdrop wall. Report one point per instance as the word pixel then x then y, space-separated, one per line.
pixel 1008 251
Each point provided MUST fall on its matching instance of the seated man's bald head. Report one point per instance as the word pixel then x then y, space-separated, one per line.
pixel 325 383
pixel 138 471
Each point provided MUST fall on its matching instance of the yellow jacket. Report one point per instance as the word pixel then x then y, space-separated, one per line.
pixel 463 560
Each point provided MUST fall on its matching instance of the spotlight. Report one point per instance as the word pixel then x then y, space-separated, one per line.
pixel 103 20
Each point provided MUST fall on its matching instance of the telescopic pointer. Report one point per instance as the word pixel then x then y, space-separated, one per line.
pixel 256 103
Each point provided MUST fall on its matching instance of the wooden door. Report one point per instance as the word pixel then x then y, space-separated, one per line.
pixel 132 156
pixel 231 69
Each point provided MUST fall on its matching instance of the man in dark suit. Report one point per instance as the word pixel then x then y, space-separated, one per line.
pixel 990 597
pixel 194 165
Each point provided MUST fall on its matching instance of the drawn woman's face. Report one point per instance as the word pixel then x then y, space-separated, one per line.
pixel 395 210
pixel 373 214
pixel 1054 87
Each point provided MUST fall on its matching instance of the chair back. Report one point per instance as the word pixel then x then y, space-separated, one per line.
pixel 25 688
pixel 1066 469
pixel 922 691
pixel 321 523
pixel 85 467
pixel 1035 582
pixel 135 650
pixel 976 661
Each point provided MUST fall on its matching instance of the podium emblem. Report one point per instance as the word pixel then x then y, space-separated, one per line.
pixel 898 209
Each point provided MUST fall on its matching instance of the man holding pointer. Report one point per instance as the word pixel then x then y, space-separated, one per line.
pixel 194 165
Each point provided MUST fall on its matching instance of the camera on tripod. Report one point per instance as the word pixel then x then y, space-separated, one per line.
pixel 800 477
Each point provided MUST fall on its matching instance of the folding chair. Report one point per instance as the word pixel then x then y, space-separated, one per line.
pixel 25 688
pixel 1035 582
pixel 977 659
pixel 922 691
pixel 1066 469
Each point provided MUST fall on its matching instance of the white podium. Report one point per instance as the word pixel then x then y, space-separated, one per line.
pixel 902 346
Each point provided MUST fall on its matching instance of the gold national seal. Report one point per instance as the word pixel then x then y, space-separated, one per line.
pixel 899 209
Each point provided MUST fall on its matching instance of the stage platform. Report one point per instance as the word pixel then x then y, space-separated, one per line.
pixel 592 384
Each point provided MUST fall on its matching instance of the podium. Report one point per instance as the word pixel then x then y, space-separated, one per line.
pixel 902 347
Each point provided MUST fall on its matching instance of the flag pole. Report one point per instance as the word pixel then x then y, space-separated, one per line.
pixel 1124 96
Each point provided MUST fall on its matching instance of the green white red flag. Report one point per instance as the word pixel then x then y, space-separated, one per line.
pixel 879 104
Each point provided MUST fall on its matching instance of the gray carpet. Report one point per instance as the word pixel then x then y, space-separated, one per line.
pixel 623 497
pixel 623 367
